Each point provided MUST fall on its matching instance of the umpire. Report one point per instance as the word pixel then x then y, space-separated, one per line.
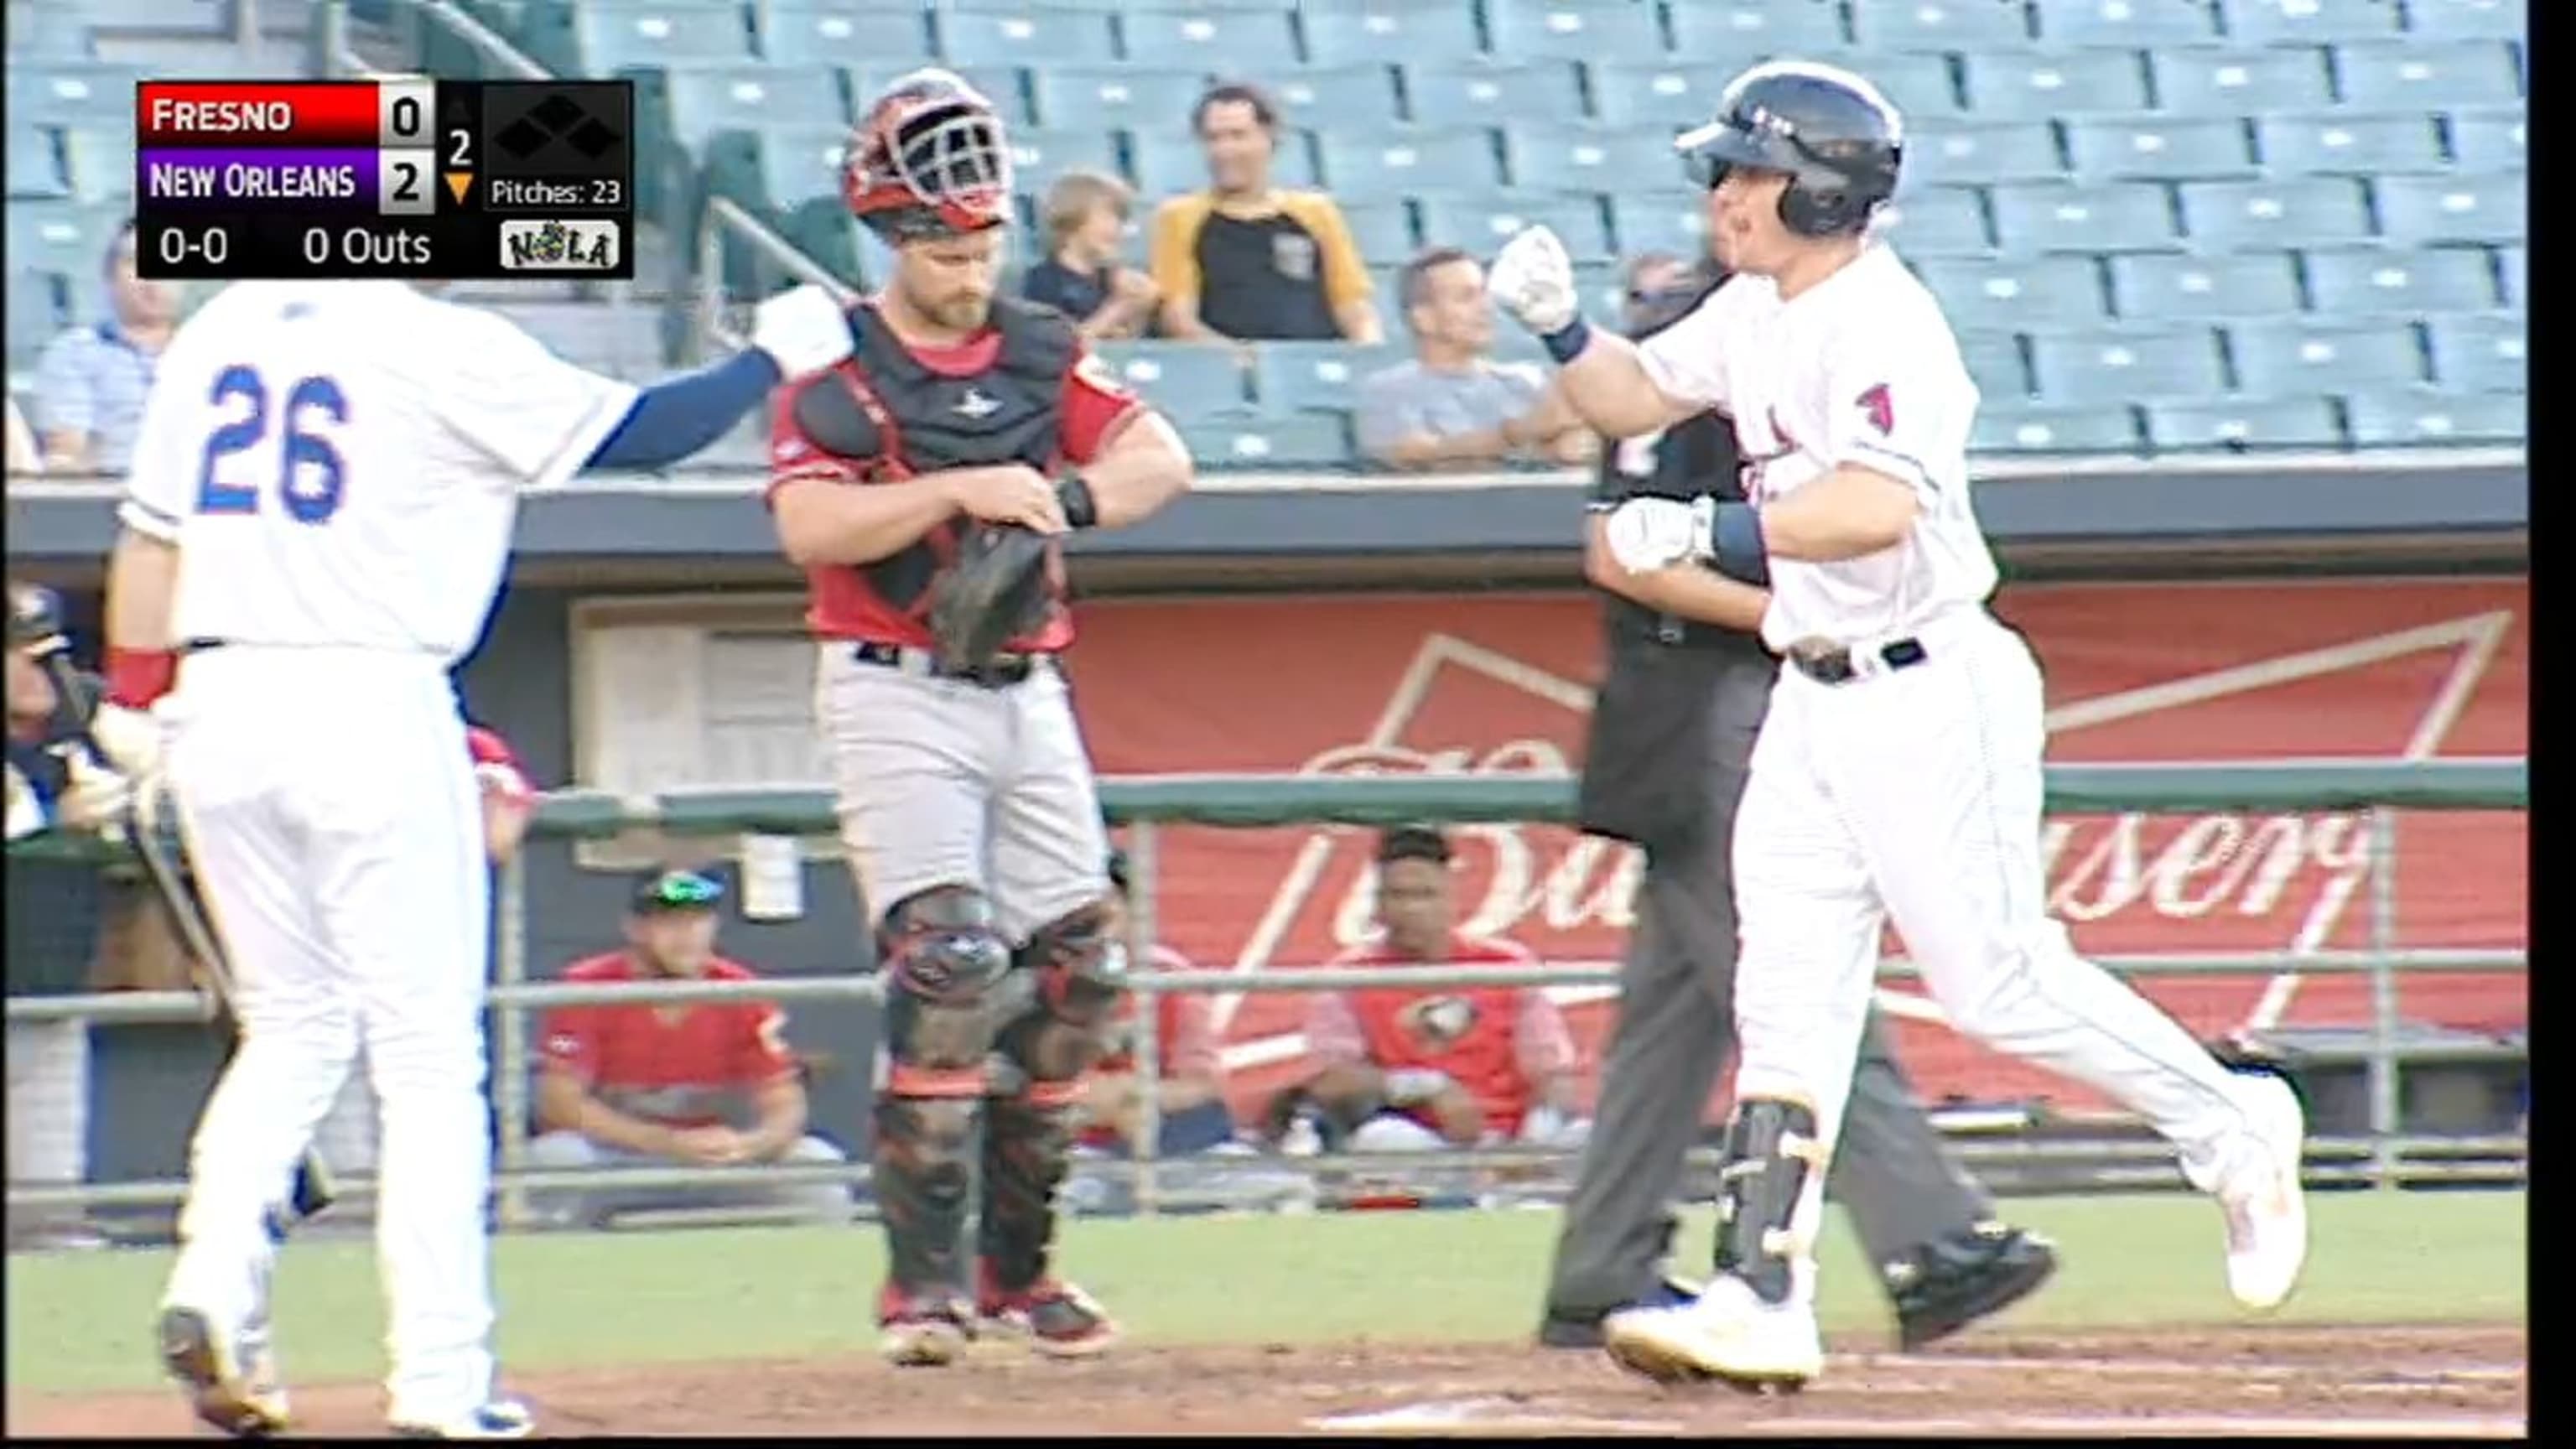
pixel 1672 735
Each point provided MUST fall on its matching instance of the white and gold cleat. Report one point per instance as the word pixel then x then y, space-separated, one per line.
pixel 1727 1334
pixel 231 1383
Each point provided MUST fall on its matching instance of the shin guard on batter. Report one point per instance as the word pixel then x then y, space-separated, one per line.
pixel 1770 1198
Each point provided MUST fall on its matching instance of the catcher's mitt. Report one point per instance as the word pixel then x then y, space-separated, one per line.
pixel 994 590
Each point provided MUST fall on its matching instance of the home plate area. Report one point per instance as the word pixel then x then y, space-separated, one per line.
pixel 2304 1380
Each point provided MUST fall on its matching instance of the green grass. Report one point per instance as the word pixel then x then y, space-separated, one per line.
pixel 80 1322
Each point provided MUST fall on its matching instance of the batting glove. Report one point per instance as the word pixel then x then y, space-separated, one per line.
pixel 1533 279
pixel 1645 534
pixel 132 739
pixel 804 330
pixel 95 797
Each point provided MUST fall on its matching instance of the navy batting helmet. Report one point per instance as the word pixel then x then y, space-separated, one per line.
pixel 1837 139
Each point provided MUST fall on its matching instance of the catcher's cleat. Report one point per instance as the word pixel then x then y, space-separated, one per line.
pixel 1057 1319
pixel 1951 1282
pixel 927 1331
pixel 231 1382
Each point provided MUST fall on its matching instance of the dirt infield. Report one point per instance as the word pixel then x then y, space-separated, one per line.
pixel 2452 1381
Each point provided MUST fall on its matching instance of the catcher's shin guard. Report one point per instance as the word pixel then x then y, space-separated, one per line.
pixel 1079 972
pixel 1769 1195
pixel 950 989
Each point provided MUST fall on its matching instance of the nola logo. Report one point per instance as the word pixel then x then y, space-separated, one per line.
pixel 559 246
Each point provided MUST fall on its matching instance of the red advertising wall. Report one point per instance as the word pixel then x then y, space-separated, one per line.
pixel 1374 684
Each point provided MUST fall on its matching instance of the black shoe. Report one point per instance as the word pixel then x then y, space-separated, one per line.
pixel 1563 1328
pixel 1951 1282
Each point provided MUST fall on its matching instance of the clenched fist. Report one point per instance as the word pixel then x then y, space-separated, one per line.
pixel 1533 279
pixel 1645 534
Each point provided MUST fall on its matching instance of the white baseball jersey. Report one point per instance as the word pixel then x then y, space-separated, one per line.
pixel 340 462
pixel 1861 368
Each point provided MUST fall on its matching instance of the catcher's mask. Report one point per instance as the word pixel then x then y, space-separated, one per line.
pixel 929 161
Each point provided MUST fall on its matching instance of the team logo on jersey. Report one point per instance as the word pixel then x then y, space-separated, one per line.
pixel 1876 406
pixel 1439 1021
pixel 1100 375
pixel 976 404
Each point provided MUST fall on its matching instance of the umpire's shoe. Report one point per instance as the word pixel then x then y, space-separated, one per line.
pixel 1577 1328
pixel 922 1331
pixel 1951 1282
pixel 230 1378
pixel 1058 1319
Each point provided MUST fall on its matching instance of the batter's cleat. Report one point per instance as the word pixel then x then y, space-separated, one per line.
pixel 231 1380
pixel 499 1419
pixel 1057 1319
pixel 1727 1334
pixel 2266 1207
pixel 1951 1282
pixel 1575 1328
pixel 927 1331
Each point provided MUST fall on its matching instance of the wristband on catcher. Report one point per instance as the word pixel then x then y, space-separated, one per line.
pixel 1567 342
pixel 137 677
pixel 1073 495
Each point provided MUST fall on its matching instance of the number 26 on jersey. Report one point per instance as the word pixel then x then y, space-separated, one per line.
pixel 309 478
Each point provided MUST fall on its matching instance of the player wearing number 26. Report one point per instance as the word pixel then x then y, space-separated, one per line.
pixel 1897 774
pixel 316 522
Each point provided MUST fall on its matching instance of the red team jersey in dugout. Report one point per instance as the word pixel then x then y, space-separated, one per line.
pixel 669 1064
pixel 1493 1041
pixel 1093 407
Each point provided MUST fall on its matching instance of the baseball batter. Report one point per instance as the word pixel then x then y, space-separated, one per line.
pixel 1898 773
pixel 964 427
pixel 318 518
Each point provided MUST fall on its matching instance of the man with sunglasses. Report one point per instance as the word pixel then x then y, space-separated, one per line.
pixel 710 1084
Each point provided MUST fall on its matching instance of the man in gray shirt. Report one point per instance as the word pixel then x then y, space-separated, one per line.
pixel 1453 406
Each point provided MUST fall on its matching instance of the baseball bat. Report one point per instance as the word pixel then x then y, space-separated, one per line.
pixel 313 1189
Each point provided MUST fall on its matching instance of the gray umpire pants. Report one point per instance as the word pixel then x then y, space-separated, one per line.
pixel 1676 1030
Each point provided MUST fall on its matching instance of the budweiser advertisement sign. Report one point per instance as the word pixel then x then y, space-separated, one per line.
pixel 1502 683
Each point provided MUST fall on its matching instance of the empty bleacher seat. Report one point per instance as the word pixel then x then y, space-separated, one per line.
pixel 1316 377
pixel 63 238
pixel 1574 29
pixel 588 39
pixel 999 84
pixel 2007 87
pixel 2010 429
pixel 2433 417
pixel 1493 93
pixel 1165 161
pixel 1039 157
pixel 2348 145
pixel 2307 22
pixel 2143 366
pixel 2428 75
pixel 2294 212
pixel 1920 86
pixel 2155 287
pixel 804 31
pixel 1412 31
pixel 2027 294
pixel 2109 217
pixel 1136 98
pixel 1706 29
pixel 1971 154
pixel 799 166
pixel 2125 24
pixel 1382 230
pixel 709 100
pixel 34 170
pixel 2379 283
pixel 1941 221
pixel 2172 148
pixel 1481 222
pixel 1939 25
pixel 2289 422
pixel 1660 221
pixel 35 315
pixel 1589 158
pixel 2510 262
pixel 1189 381
pixel 2469 19
pixel 1339 95
pixel 1305 440
pixel 1406 161
pixel 98 162
pixel 2489 140
pixel 2296 358
pixel 1994 360
pixel 1213 39
pixel 2418 209
pixel 619 341
pixel 1031 35
pixel 1675 94
pixel 2481 354
pixel 2240 82
pixel 53 93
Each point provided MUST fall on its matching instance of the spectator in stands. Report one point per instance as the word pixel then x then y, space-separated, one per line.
pixel 91 380
pixel 1191 1093
pixel 23 457
pixel 1409 1069
pixel 1453 406
pixel 1249 261
pixel 1087 224
pixel 706 1084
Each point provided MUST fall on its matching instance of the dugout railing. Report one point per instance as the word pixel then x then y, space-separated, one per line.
pixel 2385 1156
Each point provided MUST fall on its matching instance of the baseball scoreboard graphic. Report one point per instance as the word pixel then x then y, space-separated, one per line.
pixel 413 179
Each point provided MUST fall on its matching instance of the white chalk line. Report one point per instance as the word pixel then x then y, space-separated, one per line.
pixel 2151 1368
pixel 2231 1426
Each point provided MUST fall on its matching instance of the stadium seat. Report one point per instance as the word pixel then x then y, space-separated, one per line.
pixel 1039 157
pixel 35 315
pixel 1574 29
pixel 2470 19
pixel 2164 287
pixel 98 162
pixel 1033 36
pixel 1970 154
pixel 1189 381
pixel 1165 161
pixel 1627 93
pixel 60 93
pixel 1941 221
pixel 2142 366
pixel 2310 22
pixel 2348 145
pixel 606 40
pixel 1346 95
pixel 2510 264
pixel 1000 84
pixel 2299 358
pixel 1135 98
pixel 2286 422
pixel 1383 230
pixel 2296 212
pixel 2374 282
pixel 2489 140
pixel 49 31
pixel 1307 440
pixel 2124 24
pixel 1213 40
pixel 1412 31
pixel 2481 354
pixel 1705 30
pixel 2003 431
pixel 34 169
pixel 64 239
pixel 1493 93
pixel 2005 87
pixel 1483 221
pixel 1316 377
pixel 1406 161
pixel 1590 158
pixel 1994 360
pixel 2115 216
pixel 2434 416
pixel 2032 294
pixel 798 166
pixel 2240 82
pixel 2420 209
pixel 803 31
pixel 2428 75
pixel 1921 87
pixel 2158 148
pixel 707 101
pixel 1939 25
pixel 1659 221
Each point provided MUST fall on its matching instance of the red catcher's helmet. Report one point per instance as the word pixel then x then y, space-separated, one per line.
pixel 930 160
